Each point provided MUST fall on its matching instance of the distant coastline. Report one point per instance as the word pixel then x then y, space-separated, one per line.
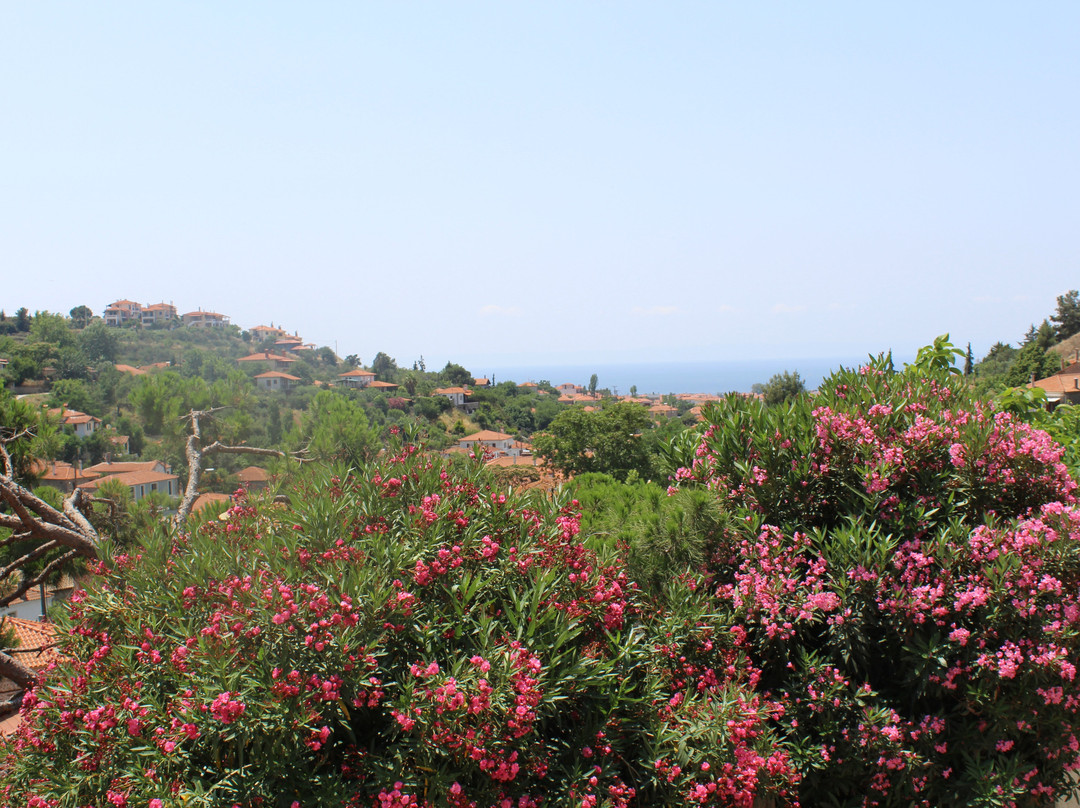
pixel 658 378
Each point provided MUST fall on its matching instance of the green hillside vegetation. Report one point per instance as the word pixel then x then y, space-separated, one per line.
pixel 78 363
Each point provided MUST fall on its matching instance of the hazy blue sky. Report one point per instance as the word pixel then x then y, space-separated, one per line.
pixel 575 181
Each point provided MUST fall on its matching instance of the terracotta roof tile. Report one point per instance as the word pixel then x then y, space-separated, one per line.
pixel 486 435
pixel 266 356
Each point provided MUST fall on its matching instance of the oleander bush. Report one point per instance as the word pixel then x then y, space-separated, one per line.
pixel 402 635
pixel 906 577
pixel 869 596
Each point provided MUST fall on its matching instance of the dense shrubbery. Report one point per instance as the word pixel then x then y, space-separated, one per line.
pixel 408 636
pixel 867 597
pixel 908 580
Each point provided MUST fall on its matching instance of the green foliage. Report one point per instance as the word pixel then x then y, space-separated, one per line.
pixel 80 316
pixel 30 436
pixel 72 363
pixel 455 375
pixel 76 394
pixel 162 398
pixel 609 441
pixel 880 536
pixel 939 356
pixel 22 320
pixel 335 428
pixel 98 342
pixel 383 366
pixel 782 388
pixel 403 636
pixel 1067 317
pixel 1034 360
pixel 51 328
pixel 661 536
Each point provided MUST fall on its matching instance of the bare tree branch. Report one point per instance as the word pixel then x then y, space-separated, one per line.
pixel 17 672
pixel 219 447
pixel 196 452
pixel 30 581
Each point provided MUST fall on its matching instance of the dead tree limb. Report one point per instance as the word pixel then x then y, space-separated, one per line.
pixel 196 452
pixel 11 668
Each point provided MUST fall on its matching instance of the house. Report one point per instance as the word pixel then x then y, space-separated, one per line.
pixel 288 343
pixel 205 319
pixel 356 378
pixel 659 411
pixel 506 461
pixel 1062 387
pixel 132 370
pixel 159 466
pixel 498 443
pixel 253 478
pixel 387 386
pixel 455 394
pixel 83 424
pixel 481 382
pixel 141 483
pixel 32 606
pixel 158 314
pixel 122 443
pixel 264 332
pixel 36 649
pixel 65 477
pixel 277 361
pixel 276 380
pixel 568 389
pixel 121 311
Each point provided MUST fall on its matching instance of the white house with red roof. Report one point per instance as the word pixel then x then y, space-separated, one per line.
pixel 275 380
pixel 455 394
pixel 356 378
pixel 499 443
pixel 277 361
pixel 158 313
pixel 205 319
pixel 83 424
pixel 262 332
pixel 121 311
pixel 141 483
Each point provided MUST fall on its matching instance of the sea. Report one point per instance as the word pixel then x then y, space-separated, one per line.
pixel 660 378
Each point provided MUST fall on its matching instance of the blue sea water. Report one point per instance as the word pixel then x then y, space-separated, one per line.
pixel 673 377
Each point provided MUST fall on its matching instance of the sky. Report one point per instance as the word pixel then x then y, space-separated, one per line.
pixel 497 183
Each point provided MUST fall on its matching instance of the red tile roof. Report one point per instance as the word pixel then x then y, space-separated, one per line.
pixel 265 356
pixel 125 466
pixel 275 374
pixel 69 416
pixel 356 373
pixel 130 478
pixel 1060 383
pixel 486 435
pixel 65 472
pixel 253 474
pixel 36 650
pixel 203 500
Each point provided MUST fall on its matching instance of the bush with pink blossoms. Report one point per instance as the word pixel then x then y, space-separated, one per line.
pixel 906 568
pixel 402 635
